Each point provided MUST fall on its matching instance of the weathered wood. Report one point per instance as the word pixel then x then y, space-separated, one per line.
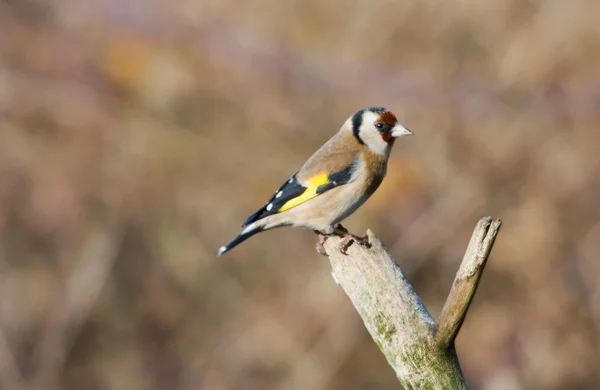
pixel 466 281
pixel 420 351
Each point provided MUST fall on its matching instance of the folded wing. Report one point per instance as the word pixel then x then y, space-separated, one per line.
pixel 295 192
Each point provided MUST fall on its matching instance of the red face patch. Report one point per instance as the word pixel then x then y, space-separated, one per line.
pixel 390 120
pixel 387 118
pixel 387 137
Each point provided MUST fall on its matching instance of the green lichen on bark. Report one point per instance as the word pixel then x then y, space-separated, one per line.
pixel 431 368
pixel 385 327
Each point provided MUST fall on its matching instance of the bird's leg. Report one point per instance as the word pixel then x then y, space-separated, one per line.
pixel 348 238
pixel 321 242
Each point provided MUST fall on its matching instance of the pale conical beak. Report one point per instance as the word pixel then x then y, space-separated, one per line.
pixel 400 131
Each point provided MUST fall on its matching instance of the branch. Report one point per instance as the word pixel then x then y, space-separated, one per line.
pixel 466 281
pixel 394 315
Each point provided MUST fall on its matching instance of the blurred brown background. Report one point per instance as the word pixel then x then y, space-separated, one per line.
pixel 136 136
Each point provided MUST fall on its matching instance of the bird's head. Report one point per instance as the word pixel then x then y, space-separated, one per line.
pixel 376 128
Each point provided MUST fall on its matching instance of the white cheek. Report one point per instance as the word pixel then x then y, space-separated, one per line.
pixel 372 138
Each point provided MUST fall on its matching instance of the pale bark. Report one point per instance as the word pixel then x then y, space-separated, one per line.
pixel 418 348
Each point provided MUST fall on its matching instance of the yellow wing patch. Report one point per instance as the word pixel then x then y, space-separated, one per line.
pixel 313 184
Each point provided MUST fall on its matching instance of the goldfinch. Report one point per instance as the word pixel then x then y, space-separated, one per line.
pixel 333 183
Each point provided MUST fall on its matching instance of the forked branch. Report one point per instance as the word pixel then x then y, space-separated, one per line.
pixel 418 348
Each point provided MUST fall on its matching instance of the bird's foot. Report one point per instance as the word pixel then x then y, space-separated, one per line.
pixel 321 243
pixel 348 238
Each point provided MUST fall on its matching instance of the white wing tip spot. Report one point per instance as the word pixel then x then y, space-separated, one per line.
pixel 291 180
pixel 269 206
pixel 221 250
pixel 279 194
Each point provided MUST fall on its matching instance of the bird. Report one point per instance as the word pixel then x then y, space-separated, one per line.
pixel 335 181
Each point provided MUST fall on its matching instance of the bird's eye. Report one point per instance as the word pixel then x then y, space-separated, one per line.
pixel 379 125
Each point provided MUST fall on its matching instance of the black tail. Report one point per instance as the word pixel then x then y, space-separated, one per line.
pixel 238 240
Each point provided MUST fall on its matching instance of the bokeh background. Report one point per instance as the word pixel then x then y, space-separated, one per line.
pixel 136 136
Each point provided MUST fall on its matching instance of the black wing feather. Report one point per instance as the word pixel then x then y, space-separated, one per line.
pixel 289 190
pixel 337 179
pixel 292 189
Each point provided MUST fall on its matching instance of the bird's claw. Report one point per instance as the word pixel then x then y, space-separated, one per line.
pixel 321 244
pixel 349 239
